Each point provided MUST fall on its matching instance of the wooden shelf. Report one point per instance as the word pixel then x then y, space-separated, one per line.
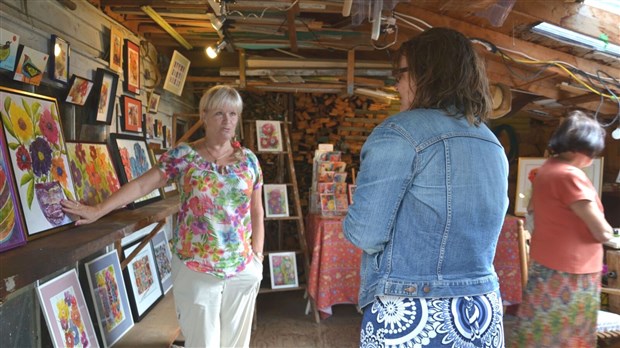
pixel 268 290
pixel 43 256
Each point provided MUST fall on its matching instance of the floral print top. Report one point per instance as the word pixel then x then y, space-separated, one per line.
pixel 214 229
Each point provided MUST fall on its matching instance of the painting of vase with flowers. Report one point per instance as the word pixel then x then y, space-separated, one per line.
pixel 38 155
pixel 269 136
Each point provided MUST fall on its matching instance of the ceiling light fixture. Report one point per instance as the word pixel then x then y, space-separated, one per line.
pixel 164 25
pixel 213 52
pixel 571 37
pixel 217 22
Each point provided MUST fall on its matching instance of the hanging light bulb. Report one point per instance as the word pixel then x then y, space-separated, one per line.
pixel 616 133
pixel 213 52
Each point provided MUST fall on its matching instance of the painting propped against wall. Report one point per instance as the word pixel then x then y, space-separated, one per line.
pixel 142 280
pixel 40 165
pixel 12 233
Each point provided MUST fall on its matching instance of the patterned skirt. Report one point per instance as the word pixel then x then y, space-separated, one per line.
pixel 459 322
pixel 558 309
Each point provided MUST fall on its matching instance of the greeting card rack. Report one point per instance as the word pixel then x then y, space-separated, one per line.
pixel 283 227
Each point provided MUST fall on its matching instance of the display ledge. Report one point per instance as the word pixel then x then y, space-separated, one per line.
pixel 24 265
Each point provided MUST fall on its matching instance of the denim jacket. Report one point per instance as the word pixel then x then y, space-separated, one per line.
pixel 429 206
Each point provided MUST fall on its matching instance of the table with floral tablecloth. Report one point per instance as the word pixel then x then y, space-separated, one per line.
pixel 334 269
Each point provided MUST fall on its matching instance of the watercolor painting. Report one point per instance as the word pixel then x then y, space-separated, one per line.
pixel 163 259
pixel 94 176
pixel 9 44
pixel 116 50
pixel 12 233
pixel 283 270
pixel 31 66
pixel 269 136
pixel 79 90
pixel 38 157
pixel 65 312
pixel 142 280
pixel 109 295
pixel 276 200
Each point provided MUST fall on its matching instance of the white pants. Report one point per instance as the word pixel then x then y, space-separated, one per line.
pixel 216 312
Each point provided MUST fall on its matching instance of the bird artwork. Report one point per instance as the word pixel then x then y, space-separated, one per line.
pixel 5 51
pixel 29 69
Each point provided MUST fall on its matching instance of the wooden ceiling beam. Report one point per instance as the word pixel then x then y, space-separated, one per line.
pixel 292 27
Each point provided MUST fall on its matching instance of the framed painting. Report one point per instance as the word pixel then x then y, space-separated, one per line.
pixel 269 136
pixel 131 66
pixel 153 102
pixel 8 52
pixel 30 66
pixel 283 270
pixel 36 146
pixel 595 174
pixel 107 288
pixel 163 259
pixel 12 233
pixel 528 166
pixel 94 176
pixel 116 50
pixel 352 189
pixel 177 72
pixel 142 280
pixel 66 315
pixel 61 52
pixel 132 114
pixel 171 188
pixel 276 200
pixel 79 90
pixel 105 95
pixel 131 158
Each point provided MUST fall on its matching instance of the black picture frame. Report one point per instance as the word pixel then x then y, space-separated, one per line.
pixel 125 147
pixel 104 96
pixel 60 54
pixel 143 265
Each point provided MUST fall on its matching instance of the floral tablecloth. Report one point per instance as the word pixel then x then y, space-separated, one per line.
pixel 334 269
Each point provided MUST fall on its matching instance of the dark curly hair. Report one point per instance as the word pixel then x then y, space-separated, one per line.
pixel 578 133
pixel 447 73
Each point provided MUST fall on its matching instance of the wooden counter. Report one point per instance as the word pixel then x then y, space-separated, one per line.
pixel 43 256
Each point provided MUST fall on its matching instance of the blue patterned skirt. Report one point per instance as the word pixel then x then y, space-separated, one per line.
pixel 458 322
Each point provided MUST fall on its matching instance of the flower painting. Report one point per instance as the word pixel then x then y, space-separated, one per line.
pixel 65 311
pixel 110 297
pixel 163 259
pixel 9 43
pixel 39 158
pixel 132 159
pixel 92 170
pixel 79 90
pixel 276 200
pixel 12 232
pixel 283 270
pixel 268 136
pixel 60 59
pixel 142 280
pixel 31 66
pixel 116 50
pixel 132 66
pixel 104 95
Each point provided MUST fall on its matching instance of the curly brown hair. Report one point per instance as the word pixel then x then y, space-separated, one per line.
pixel 446 73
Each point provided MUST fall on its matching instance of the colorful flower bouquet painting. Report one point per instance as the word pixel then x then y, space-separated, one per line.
pixel 110 297
pixel 269 136
pixel 39 158
pixel 65 312
pixel 276 200
pixel 131 60
pixel 79 90
pixel 12 233
pixel 105 95
pixel 9 44
pixel 283 270
pixel 93 173
pixel 163 259
pixel 31 66
pixel 142 280
pixel 131 157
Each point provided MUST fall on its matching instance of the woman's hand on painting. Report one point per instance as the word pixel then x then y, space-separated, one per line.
pixel 86 213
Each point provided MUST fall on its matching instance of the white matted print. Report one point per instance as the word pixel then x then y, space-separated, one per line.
pixel 283 270
pixel 142 280
pixel 177 72
pixel 64 308
pixel 10 45
pixel 269 136
pixel 276 200
pixel 528 166
pixel 163 259
pixel 595 174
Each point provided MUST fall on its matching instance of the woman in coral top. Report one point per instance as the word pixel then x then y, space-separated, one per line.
pixel 218 242
pixel 561 299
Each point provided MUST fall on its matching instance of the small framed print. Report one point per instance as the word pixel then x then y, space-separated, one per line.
pixel 10 45
pixel 107 288
pixel 269 136
pixel 595 173
pixel 31 66
pixel 132 114
pixel 352 189
pixel 153 102
pixel 79 90
pixel 116 50
pixel 65 311
pixel 283 270
pixel 60 59
pixel 177 72
pixel 163 259
pixel 142 280
pixel 526 172
pixel 104 95
pixel 276 200
pixel 131 61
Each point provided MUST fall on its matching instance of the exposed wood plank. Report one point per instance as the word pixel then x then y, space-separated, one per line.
pixel 350 71
pixel 580 99
pixel 292 28
pixel 242 82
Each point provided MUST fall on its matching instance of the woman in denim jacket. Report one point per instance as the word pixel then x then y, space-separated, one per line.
pixel 429 206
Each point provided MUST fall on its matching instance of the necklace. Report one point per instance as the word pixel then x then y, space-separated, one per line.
pixel 215 158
